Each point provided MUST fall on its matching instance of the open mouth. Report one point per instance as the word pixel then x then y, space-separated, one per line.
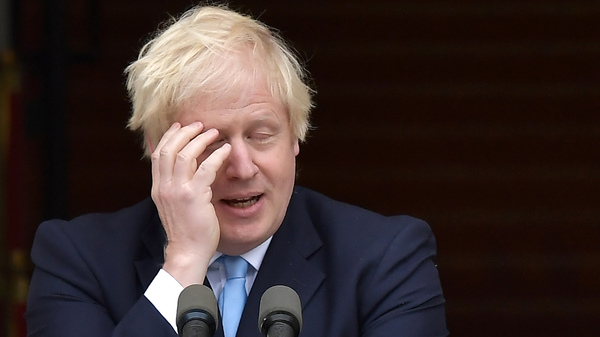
pixel 242 203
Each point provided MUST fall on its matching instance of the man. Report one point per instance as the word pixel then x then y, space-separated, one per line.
pixel 223 105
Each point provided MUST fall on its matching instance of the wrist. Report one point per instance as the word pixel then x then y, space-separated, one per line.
pixel 186 267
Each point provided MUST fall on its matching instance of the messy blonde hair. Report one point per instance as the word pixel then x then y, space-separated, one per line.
pixel 191 59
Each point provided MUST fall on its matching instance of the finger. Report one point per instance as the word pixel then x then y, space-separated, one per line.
pixel 207 170
pixel 186 161
pixel 166 136
pixel 174 142
pixel 155 156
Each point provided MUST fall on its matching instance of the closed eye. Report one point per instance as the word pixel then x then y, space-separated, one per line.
pixel 261 136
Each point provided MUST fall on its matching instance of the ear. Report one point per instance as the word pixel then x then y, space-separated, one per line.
pixel 296 147
pixel 151 146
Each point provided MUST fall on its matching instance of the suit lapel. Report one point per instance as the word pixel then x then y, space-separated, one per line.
pixel 287 262
pixel 151 260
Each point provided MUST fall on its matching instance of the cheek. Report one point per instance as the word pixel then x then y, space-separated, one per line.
pixel 280 163
pixel 284 172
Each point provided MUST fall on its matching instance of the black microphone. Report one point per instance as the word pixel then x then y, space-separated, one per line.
pixel 280 313
pixel 197 312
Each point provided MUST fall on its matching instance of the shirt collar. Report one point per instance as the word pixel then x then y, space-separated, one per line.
pixel 254 257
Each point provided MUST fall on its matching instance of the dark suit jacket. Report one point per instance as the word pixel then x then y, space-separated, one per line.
pixel 357 273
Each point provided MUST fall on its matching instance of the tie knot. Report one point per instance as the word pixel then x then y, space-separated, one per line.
pixel 235 267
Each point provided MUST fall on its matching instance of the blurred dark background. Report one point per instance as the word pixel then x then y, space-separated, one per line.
pixel 481 117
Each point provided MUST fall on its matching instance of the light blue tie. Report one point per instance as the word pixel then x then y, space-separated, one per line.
pixel 233 296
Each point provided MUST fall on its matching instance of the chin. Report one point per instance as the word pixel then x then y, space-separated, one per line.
pixel 239 239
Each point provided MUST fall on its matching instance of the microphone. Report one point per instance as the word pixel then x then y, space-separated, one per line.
pixel 197 312
pixel 280 312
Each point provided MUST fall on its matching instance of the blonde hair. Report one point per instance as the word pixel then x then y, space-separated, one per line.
pixel 191 58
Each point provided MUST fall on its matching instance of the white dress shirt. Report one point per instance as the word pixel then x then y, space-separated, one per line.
pixel 164 290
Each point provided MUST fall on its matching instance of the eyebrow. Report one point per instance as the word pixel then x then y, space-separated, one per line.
pixel 268 118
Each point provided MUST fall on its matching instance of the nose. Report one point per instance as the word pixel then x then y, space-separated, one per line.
pixel 240 163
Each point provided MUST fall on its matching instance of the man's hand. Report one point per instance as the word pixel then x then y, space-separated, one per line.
pixel 181 190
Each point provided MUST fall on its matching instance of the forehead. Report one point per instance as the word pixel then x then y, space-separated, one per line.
pixel 252 104
pixel 240 86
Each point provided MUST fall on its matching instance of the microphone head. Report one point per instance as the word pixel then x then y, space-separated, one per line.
pixel 277 300
pixel 197 301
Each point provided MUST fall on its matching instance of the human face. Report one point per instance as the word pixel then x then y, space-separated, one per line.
pixel 253 187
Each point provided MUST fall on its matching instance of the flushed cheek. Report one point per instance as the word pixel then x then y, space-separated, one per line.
pixel 221 185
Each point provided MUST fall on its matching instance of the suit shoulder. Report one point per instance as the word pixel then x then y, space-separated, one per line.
pixel 335 216
pixel 134 217
pixel 97 231
pixel 321 205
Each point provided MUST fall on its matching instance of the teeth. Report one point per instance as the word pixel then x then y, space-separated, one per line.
pixel 242 203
